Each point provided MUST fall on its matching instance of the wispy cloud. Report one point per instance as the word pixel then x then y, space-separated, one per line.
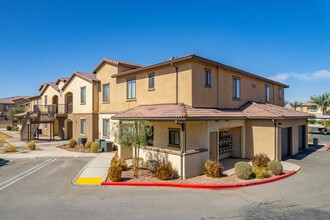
pixel 307 77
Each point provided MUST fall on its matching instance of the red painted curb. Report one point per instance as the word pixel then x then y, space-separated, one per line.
pixel 201 186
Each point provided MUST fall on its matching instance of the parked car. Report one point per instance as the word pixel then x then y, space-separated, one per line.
pixel 318 128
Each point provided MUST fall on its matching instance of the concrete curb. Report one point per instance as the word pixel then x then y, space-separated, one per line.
pixel 202 186
pixel 74 181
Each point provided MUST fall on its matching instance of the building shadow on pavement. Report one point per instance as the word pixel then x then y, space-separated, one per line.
pixel 3 162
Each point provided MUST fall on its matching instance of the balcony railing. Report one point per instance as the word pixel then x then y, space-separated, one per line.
pixel 61 109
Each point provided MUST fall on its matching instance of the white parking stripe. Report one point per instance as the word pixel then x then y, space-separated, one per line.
pixel 33 171
pixel 25 172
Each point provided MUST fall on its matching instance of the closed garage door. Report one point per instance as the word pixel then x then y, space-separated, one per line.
pixel 286 142
pixel 301 137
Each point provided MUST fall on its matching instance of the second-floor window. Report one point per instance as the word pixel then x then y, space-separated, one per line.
pixel 83 126
pixel 207 78
pixel 83 95
pixel 106 92
pixel 151 81
pixel 267 93
pixel 46 100
pixel 236 88
pixel 131 89
pixel 6 107
pixel 279 93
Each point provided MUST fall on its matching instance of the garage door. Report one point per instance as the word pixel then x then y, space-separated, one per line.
pixel 301 137
pixel 286 142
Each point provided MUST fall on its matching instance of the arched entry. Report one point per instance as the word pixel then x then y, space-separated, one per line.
pixel 55 103
pixel 68 102
pixel 68 129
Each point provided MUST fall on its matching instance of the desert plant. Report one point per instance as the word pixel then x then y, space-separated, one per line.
pixel 243 170
pixel 10 149
pixel 72 143
pixel 31 145
pixel 152 165
pixel 88 144
pixel 212 169
pixel 275 167
pixel 260 160
pixel 164 171
pixel 95 147
pixel 261 172
pixel 321 101
pixel 114 172
pixel 295 104
pixel 8 128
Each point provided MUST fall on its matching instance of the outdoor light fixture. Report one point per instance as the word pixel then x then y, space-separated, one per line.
pixel 279 125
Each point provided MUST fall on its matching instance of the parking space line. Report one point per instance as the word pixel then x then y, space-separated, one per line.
pixel 27 173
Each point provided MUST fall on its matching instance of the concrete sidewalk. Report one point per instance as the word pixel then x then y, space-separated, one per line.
pixel 96 170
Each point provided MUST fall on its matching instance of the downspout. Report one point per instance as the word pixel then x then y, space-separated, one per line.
pixel 183 148
pixel 176 83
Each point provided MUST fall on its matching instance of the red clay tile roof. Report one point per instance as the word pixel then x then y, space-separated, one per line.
pixel 63 79
pixel 260 110
pixel 116 62
pixel 308 104
pixel 89 77
pixel 250 110
pixel 10 100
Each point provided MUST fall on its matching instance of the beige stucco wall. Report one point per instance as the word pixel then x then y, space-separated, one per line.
pixel 220 93
pixel 260 138
pixel 74 87
pixel 193 164
pixel 91 125
pixel 164 91
pixel 50 92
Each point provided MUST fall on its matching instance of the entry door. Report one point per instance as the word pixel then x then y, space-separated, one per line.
pixel 302 137
pixel 214 146
pixel 286 142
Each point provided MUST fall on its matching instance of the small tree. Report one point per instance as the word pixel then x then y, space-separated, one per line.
pixel 295 104
pixel 321 101
pixel 133 134
pixel 12 112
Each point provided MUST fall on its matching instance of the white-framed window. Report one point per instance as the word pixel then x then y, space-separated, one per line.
pixel 83 126
pixel 174 137
pixel 151 81
pixel 131 89
pixel 279 93
pixel 208 78
pixel 106 92
pixel 267 93
pixel 106 128
pixel 236 88
pixel 83 95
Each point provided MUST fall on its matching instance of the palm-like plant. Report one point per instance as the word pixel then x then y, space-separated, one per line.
pixel 295 104
pixel 322 101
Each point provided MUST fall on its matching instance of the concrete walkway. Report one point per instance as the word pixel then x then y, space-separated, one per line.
pixel 44 149
pixel 96 170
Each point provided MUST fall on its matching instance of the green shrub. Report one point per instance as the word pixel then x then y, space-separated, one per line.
pixel 95 147
pixel 114 172
pixel 275 167
pixel 260 160
pixel 212 169
pixel 31 145
pixel 10 149
pixel 311 121
pixel 261 172
pixel 164 171
pixel 72 143
pixel 243 170
pixel 88 144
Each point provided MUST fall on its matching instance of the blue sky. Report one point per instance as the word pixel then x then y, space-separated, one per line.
pixel 285 40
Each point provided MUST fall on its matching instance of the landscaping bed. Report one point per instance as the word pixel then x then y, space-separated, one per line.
pixel 77 148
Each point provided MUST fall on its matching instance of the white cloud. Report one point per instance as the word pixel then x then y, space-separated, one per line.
pixel 308 77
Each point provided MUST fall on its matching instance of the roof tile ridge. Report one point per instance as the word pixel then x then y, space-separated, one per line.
pixel 268 109
pixel 183 110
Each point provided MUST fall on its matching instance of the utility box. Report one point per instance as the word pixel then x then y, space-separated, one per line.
pixel 106 146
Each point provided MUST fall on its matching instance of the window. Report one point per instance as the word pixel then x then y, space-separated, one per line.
pixel 279 93
pixel 207 78
pixel 5 107
pixel 150 135
pixel 106 93
pixel 236 88
pixel 267 93
pixel 83 95
pixel 174 137
pixel 83 126
pixel 151 81
pixel 131 89
pixel 46 100
pixel 106 127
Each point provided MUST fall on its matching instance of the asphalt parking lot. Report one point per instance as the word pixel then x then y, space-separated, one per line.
pixel 42 189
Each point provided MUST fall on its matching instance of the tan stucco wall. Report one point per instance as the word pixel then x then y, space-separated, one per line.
pixel 74 87
pixel 91 125
pixel 260 138
pixel 193 164
pixel 164 91
pixel 220 93
pixel 50 92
